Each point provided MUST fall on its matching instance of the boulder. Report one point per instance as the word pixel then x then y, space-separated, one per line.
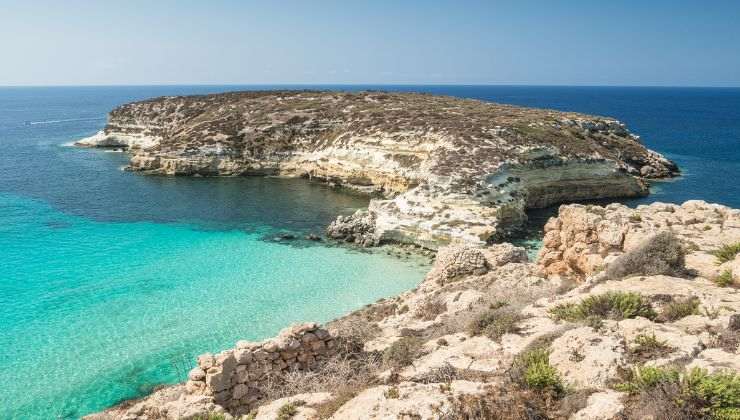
pixel 586 358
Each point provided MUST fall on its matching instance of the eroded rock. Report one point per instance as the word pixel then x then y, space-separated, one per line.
pixel 451 170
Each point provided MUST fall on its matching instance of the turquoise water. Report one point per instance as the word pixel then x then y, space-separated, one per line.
pixel 95 312
pixel 111 282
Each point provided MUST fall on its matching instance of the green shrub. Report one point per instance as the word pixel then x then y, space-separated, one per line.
pixel 659 254
pixel 696 392
pixel 287 411
pixel 610 305
pixel 392 393
pixel 646 377
pixel 727 252
pixel 647 347
pixel 430 309
pixel 680 308
pixel 211 416
pixel 648 341
pixel 532 370
pixel 724 279
pixel 721 391
pixel 495 323
pixel 403 352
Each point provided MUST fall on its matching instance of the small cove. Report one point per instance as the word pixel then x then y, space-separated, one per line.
pixel 112 281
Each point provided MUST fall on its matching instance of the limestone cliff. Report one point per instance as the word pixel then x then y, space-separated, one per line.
pixel 449 169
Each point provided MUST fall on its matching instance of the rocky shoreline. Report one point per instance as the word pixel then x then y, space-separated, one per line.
pixel 626 314
pixel 448 170
pixel 617 295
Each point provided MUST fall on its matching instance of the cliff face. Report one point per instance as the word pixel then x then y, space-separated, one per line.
pixel 450 169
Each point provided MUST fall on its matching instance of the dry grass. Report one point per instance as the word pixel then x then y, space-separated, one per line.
pixel 660 254
pixel 430 308
pixel 342 395
pixel 495 323
pixel 724 279
pixel 354 329
pixel 344 375
pixel 727 252
pixel 647 347
pixel 510 402
pixel 403 352
pixel 679 308
pixel 726 339
pixel 341 371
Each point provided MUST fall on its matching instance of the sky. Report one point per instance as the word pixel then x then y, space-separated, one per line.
pixel 548 42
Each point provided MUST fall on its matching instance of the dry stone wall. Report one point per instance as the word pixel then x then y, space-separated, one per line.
pixel 235 378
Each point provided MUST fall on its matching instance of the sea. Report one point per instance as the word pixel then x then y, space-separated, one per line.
pixel 112 282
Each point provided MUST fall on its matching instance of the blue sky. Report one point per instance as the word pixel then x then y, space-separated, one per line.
pixel 649 42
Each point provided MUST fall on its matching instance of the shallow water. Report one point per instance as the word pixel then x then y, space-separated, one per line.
pixel 111 282
pixel 94 312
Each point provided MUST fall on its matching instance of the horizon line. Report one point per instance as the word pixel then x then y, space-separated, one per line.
pixel 370 84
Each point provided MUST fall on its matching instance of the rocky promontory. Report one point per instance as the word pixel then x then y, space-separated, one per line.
pixel 446 170
pixel 627 314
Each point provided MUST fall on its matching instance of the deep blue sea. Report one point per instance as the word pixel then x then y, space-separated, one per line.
pixel 111 282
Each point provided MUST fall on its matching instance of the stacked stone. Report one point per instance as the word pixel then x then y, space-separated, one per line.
pixel 234 377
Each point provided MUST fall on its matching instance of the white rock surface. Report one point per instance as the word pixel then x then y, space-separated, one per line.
pixel 424 401
pixel 607 405
pixel 586 358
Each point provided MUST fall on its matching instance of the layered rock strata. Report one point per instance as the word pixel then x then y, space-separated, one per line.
pixel 451 170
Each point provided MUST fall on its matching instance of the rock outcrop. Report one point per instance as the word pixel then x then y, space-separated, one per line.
pixel 451 170
pixel 454 346
pixel 583 239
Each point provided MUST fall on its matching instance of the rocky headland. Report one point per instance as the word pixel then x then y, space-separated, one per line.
pixel 445 170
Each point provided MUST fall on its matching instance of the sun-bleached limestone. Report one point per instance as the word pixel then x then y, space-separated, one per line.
pixel 586 358
pixel 581 240
pixel 405 400
pixel 683 345
pixel 713 360
pixel 605 405
pixel 301 402
pixel 461 352
pixel 451 170
pixel 170 403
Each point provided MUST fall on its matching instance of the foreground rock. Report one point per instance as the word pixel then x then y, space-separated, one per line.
pixel 490 335
pixel 583 239
pixel 451 169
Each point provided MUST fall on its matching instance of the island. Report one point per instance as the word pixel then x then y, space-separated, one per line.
pixel 444 170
